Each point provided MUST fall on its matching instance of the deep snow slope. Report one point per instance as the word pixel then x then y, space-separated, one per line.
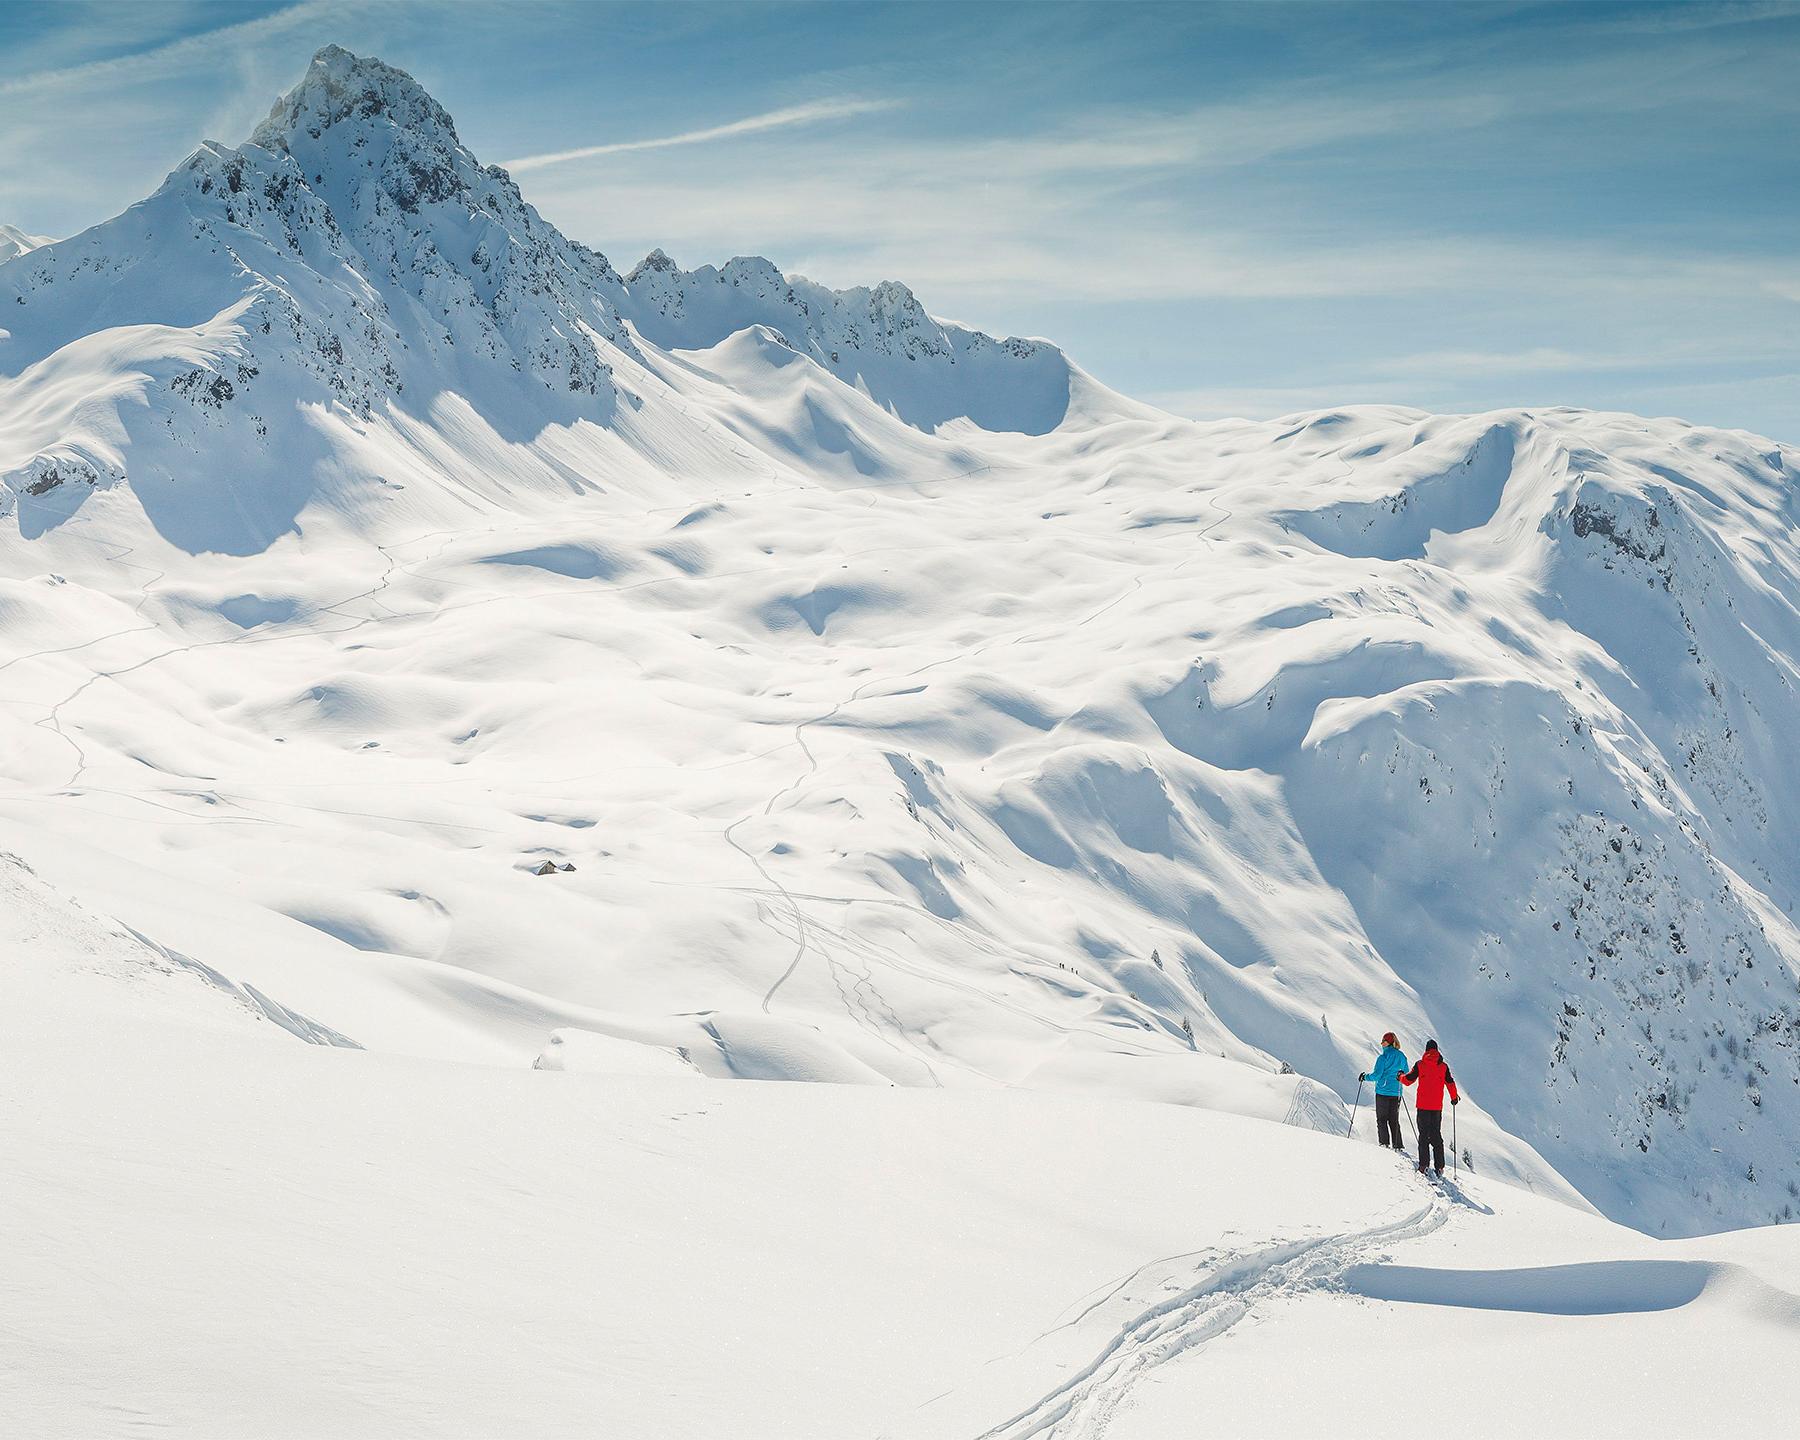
pixel 912 710
pixel 220 1231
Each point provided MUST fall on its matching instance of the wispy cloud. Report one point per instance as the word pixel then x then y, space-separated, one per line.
pixel 988 235
pixel 1679 18
pixel 1541 358
pixel 814 112
pixel 172 54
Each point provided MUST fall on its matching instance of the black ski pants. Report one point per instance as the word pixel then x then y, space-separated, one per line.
pixel 1431 1137
pixel 1387 1120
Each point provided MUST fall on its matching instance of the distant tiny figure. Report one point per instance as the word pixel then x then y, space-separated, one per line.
pixel 1433 1078
pixel 1390 1064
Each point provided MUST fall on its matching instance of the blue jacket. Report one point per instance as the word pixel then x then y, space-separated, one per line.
pixel 1389 1066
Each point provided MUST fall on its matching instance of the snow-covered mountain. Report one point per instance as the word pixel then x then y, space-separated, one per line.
pixel 910 708
pixel 354 258
pixel 14 241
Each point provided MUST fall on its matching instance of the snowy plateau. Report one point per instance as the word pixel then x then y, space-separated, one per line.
pixel 462 706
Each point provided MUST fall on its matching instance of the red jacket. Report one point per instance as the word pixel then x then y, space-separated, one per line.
pixel 1433 1077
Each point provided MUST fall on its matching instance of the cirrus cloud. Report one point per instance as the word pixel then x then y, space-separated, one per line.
pixel 813 112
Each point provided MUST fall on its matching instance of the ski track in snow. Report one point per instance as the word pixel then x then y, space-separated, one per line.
pixel 802 926
pixel 863 1002
pixel 53 720
pixel 1167 1308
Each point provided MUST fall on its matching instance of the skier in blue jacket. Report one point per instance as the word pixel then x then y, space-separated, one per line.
pixel 1390 1065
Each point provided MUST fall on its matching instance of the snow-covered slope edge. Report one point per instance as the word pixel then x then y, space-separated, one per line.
pixel 15 242
pixel 467 1251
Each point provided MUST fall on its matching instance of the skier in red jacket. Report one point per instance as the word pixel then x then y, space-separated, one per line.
pixel 1433 1078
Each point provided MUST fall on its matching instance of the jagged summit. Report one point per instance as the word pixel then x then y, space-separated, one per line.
pixel 356 224
pixel 657 262
pixel 376 144
pixel 354 259
pixel 340 86
pixel 350 114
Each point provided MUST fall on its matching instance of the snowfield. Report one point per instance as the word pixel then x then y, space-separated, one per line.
pixel 224 1232
pixel 460 704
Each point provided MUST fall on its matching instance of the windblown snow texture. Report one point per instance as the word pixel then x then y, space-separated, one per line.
pixel 912 709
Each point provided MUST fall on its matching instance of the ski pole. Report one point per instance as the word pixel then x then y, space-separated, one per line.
pixel 1453 1170
pixel 1354 1108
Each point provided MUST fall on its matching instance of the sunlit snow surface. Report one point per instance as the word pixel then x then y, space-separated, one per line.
pixel 895 706
pixel 219 1232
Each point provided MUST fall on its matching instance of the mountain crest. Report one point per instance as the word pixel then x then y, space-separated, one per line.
pixel 657 262
pixel 354 255
pixel 340 87
pixel 14 241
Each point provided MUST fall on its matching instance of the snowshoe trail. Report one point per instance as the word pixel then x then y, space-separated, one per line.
pixel 1151 1317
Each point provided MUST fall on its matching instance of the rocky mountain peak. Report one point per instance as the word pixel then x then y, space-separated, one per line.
pixel 424 264
pixel 657 262
pixel 353 120
pixel 342 88
pixel 406 206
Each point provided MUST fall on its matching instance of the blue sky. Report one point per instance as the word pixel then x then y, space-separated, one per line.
pixel 1231 209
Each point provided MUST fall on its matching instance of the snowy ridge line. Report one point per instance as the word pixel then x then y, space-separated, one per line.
pixel 301 1027
pixel 1213 1293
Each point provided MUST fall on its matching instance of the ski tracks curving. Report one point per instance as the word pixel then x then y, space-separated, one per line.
pixel 1152 1316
